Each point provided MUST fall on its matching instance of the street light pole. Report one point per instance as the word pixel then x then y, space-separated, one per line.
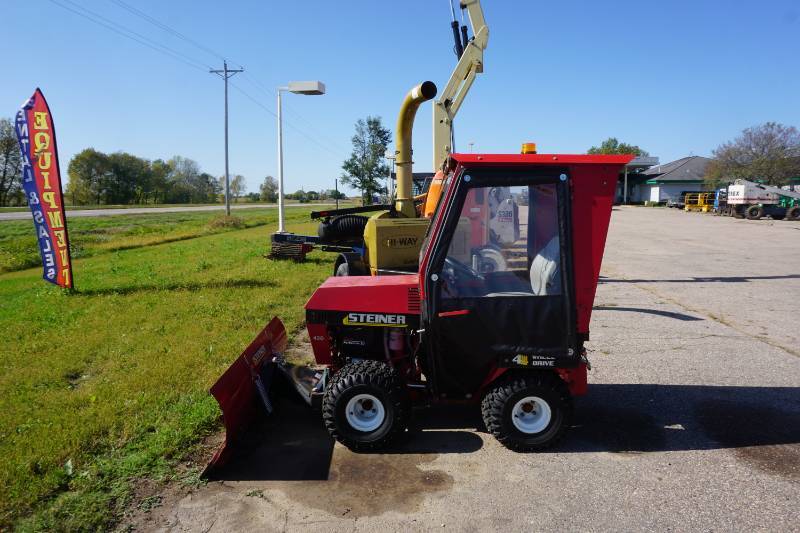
pixel 389 155
pixel 281 223
pixel 296 87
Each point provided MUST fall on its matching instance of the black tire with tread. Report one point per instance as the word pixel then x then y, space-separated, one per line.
pixel 793 213
pixel 371 377
pixel 499 401
pixel 754 212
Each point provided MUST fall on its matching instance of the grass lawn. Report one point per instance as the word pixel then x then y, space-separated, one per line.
pixel 108 383
pixel 91 236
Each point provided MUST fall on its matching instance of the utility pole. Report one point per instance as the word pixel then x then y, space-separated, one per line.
pixel 226 73
pixel 336 186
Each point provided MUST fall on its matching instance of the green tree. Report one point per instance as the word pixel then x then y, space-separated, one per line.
pixel 10 163
pixel 333 194
pixel 768 152
pixel 366 166
pixel 127 179
pixel 87 177
pixel 269 190
pixel 613 146
pixel 183 181
pixel 300 196
pixel 160 171
pixel 205 189
pixel 238 187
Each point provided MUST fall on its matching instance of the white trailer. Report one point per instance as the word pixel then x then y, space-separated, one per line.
pixel 747 199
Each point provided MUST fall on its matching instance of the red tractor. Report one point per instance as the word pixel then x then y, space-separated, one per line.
pixel 510 339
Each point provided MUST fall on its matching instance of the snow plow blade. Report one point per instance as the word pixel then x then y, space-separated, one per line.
pixel 245 386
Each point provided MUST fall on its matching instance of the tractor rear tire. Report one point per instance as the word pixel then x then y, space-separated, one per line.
pixel 793 213
pixel 528 411
pixel 365 405
pixel 754 212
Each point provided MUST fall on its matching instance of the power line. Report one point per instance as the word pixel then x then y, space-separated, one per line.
pixel 130 34
pixel 166 28
pixel 172 53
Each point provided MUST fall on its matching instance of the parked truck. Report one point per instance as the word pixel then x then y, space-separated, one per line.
pixel 747 199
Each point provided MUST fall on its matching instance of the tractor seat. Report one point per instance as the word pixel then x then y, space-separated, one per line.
pixel 546 270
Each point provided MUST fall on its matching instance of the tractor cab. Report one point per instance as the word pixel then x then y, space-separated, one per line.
pixel 510 264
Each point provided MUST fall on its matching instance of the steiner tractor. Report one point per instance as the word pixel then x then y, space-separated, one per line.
pixel 510 339
pixel 481 291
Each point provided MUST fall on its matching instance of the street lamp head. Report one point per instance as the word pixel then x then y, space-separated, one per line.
pixel 306 87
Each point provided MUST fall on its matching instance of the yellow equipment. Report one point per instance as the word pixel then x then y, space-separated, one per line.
pixel 699 201
pixel 389 241
pixel 393 239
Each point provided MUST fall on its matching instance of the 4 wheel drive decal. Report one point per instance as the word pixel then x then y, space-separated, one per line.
pixel 532 360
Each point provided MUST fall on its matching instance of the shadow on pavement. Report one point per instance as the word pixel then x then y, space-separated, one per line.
pixel 693 279
pixel 293 444
pixel 762 424
pixel 667 314
pixel 646 418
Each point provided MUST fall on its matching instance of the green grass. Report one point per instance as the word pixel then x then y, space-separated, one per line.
pixel 92 235
pixel 108 383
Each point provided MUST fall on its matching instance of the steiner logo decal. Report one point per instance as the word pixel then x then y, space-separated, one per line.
pixel 373 319
pixel 402 241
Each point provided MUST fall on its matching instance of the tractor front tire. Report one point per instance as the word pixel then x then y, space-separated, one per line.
pixel 528 411
pixel 365 405
pixel 754 212
pixel 793 213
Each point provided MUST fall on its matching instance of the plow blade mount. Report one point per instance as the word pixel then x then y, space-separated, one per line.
pixel 245 385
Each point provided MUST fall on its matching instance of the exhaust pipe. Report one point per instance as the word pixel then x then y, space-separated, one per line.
pixel 403 162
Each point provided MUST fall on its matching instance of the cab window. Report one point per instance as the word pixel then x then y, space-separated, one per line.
pixel 506 243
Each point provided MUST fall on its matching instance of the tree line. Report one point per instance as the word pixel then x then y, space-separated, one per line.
pixel 768 153
pixel 123 178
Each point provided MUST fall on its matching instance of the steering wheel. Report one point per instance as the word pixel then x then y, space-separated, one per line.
pixel 455 273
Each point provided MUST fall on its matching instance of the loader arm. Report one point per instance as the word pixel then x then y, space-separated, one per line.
pixel 469 66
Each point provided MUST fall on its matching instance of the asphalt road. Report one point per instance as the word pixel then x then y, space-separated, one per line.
pixel 692 421
pixel 25 215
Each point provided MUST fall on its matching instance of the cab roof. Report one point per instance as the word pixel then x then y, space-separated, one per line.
pixel 541 159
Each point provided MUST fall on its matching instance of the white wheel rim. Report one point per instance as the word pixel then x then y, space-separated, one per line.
pixel 365 412
pixel 531 415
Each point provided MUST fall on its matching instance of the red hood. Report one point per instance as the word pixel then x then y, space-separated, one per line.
pixel 368 294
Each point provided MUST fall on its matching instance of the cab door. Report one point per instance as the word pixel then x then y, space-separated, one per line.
pixel 499 281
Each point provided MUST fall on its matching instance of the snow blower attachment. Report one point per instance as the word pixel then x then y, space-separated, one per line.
pixel 509 338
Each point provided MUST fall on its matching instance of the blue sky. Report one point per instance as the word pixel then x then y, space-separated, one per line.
pixel 676 78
